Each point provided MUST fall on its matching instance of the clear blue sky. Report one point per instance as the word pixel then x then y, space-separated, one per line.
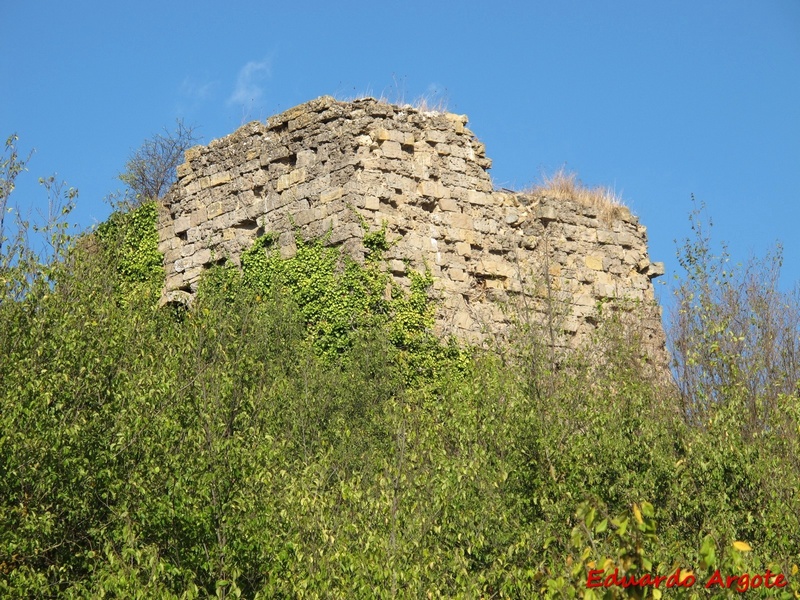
pixel 659 100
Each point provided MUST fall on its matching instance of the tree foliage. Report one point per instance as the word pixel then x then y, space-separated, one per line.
pixel 298 432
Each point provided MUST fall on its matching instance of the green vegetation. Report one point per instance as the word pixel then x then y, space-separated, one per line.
pixel 340 301
pixel 300 433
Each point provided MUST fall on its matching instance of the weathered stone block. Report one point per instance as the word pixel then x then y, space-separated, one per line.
pixel 215 180
pixel 183 170
pixel 457 274
pixel 479 198
pixel 458 220
pixel 457 165
pixel 304 217
pixel 181 224
pixel 422 158
pixel 486 226
pixel 306 158
pixel 193 187
pixel 448 204
pixel 458 124
pixel 495 268
pixel 194 234
pixel 434 136
pixel 455 234
pixel 432 189
pixel 214 209
pixel 606 237
pixel 198 216
pixel 594 262
pixel 605 290
pixel 330 195
pixel 546 213
pixel 391 149
pixel 655 270
pixel 290 179
pixel 303 120
pixel 585 300
pixel 381 134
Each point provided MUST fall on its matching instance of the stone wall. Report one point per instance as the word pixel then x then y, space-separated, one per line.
pixel 322 166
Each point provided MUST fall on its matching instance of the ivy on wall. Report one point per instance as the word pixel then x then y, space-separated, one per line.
pixel 340 300
pixel 130 243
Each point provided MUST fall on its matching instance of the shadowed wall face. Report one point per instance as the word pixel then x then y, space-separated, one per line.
pixel 323 166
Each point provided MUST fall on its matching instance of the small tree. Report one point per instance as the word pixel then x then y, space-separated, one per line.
pixel 735 336
pixel 150 171
pixel 30 246
pixel 11 165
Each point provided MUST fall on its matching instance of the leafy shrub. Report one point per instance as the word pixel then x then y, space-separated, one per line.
pixel 340 300
pixel 735 336
pixel 130 243
pixel 300 433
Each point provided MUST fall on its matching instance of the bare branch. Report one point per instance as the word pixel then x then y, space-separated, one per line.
pixel 150 171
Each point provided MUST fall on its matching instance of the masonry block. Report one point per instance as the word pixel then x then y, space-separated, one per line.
pixel 290 179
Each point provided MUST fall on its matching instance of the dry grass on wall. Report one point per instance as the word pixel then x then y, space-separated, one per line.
pixel 563 185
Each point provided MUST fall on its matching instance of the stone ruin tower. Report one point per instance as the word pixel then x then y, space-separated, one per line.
pixel 322 167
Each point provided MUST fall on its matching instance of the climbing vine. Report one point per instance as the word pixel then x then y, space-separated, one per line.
pixel 340 300
pixel 129 241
